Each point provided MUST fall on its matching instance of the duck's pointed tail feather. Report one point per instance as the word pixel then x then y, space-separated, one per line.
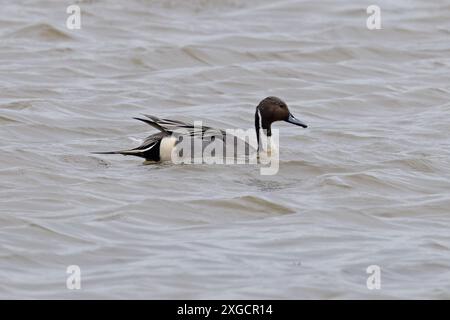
pixel 140 151
pixel 131 152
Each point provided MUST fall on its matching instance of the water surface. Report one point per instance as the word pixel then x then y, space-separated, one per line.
pixel 368 183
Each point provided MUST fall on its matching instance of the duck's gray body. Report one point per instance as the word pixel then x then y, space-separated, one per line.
pixel 159 146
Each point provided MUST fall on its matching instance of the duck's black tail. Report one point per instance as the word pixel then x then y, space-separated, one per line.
pixel 147 149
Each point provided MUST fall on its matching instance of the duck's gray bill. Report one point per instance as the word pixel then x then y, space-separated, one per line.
pixel 295 121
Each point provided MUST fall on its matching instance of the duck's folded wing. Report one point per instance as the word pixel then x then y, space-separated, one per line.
pixel 183 128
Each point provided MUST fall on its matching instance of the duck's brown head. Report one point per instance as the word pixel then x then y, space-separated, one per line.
pixel 273 109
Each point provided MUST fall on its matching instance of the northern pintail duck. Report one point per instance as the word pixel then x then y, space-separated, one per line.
pixel 159 146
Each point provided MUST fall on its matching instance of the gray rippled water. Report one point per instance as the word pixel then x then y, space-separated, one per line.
pixel 368 183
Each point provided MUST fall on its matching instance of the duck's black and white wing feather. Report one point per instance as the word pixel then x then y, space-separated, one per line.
pixel 182 128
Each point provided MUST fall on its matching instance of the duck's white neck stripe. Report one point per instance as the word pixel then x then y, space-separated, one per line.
pixel 260 119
